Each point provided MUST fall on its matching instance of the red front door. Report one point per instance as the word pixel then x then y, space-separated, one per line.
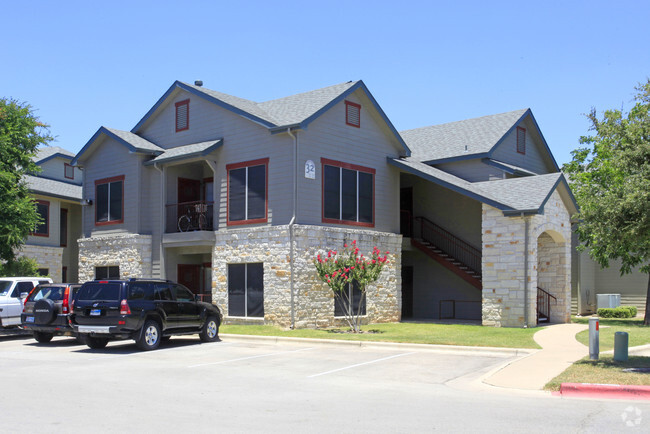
pixel 189 275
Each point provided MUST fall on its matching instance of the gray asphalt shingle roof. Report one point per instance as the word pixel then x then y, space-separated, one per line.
pixel 140 144
pixel 47 152
pixel 444 141
pixel 51 187
pixel 514 194
pixel 289 110
pixel 186 151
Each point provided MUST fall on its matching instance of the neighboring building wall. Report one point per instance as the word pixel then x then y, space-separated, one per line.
pixel 47 257
pixel 504 265
pixel 314 301
pixel 132 253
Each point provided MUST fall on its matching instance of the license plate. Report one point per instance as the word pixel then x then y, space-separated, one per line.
pixel 29 319
pixel 95 312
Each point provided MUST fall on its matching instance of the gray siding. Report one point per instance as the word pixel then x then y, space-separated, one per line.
pixel 533 160
pixel 111 159
pixel 472 170
pixel 55 169
pixel 329 137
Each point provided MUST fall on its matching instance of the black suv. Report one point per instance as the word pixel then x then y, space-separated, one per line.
pixel 46 311
pixel 145 310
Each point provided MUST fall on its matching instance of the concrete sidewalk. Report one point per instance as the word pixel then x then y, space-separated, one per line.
pixel 559 350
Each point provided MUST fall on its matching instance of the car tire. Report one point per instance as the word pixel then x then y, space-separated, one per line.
pixel 210 330
pixel 42 337
pixel 150 336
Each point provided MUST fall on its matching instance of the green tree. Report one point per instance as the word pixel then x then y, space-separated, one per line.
pixel 610 177
pixel 21 266
pixel 20 135
pixel 340 269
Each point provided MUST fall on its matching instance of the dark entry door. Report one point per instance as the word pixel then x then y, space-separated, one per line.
pixel 406 211
pixel 189 275
pixel 407 292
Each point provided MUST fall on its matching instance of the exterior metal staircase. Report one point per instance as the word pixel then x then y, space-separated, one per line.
pixel 544 305
pixel 447 249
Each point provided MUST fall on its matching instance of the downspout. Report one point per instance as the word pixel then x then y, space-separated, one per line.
pixel 525 270
pixel 163 217
pixel 291 224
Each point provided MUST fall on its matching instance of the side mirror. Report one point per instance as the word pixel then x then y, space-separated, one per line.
pixel 197 297
pixel 23 295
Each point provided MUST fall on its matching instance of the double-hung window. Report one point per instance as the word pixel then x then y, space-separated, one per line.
pixel 348 193
pixel 43 210
pixel 109 203
pixel 247 192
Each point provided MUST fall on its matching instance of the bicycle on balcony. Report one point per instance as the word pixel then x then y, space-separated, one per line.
pixel 194 219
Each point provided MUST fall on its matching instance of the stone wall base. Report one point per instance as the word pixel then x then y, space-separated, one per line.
pixel 313 301
pixel 48 257
pixel 131 252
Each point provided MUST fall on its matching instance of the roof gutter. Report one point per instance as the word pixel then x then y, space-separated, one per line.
pixel 291 225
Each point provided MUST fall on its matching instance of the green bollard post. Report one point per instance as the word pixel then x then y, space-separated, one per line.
pixel 621 340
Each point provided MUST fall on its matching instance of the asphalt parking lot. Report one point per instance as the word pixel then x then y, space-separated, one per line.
pixel 241 386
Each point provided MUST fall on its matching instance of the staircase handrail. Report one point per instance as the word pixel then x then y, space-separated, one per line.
pixel 449 243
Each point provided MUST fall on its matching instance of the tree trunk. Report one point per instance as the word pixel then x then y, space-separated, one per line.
pixel 646 318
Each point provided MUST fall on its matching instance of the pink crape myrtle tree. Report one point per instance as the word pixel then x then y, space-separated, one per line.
pixel 340 269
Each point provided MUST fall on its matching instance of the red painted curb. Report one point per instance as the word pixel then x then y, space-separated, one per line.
pixel 612 391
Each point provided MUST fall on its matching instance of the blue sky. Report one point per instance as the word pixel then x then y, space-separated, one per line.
pixel 84 64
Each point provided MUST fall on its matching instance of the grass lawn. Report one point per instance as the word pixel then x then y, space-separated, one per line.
pixel 603 371
pixel 417 333
pixel 638 334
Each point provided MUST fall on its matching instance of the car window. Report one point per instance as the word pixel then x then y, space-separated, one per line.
pixel 4 286
pixel 181 293
pixel 22 287
pixel 54 293
pixel 99 291
pixel 140 291
pixel 163 292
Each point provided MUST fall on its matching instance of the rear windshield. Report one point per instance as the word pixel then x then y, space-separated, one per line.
pixel 99 291
pixel 54 293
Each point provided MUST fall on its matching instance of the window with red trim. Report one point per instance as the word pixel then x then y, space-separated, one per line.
pixel 109 201
pixel 68 171
pixel 352 114
pixel 247 192
pixel 43 210
pixel 183 115
pixel 348 193
pixel 521 140
pixel 63 231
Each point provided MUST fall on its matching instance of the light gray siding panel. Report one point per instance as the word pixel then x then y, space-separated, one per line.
pixel 472 170
pixel 532 160
pixel 108 160
pixel 54 217
pixel 329 137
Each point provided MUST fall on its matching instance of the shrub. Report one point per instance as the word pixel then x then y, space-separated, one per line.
pixel 617 312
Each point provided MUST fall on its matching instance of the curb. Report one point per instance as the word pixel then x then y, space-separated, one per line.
pixel 611 391
pixel 456 349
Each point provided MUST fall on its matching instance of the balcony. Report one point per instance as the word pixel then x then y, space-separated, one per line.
pixel 189 217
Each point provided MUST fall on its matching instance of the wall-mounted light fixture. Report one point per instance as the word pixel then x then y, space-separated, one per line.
pixel 86 202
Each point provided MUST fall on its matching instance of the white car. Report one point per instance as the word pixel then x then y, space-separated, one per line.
pixel 13 291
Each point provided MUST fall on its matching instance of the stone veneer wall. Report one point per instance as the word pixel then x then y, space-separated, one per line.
pixel 47 257
pixel 504 263
pixel 131 252
pixel 313 301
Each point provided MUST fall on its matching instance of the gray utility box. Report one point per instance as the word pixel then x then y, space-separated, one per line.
pixel 608 300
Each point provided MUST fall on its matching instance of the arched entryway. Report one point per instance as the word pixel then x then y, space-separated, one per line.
pixel 553 273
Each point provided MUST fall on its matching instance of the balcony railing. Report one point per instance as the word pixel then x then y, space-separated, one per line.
pixel 189 216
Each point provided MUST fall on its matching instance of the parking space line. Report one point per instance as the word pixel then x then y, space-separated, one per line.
pixel 117 356
pixel 360 364
pixel 249 358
